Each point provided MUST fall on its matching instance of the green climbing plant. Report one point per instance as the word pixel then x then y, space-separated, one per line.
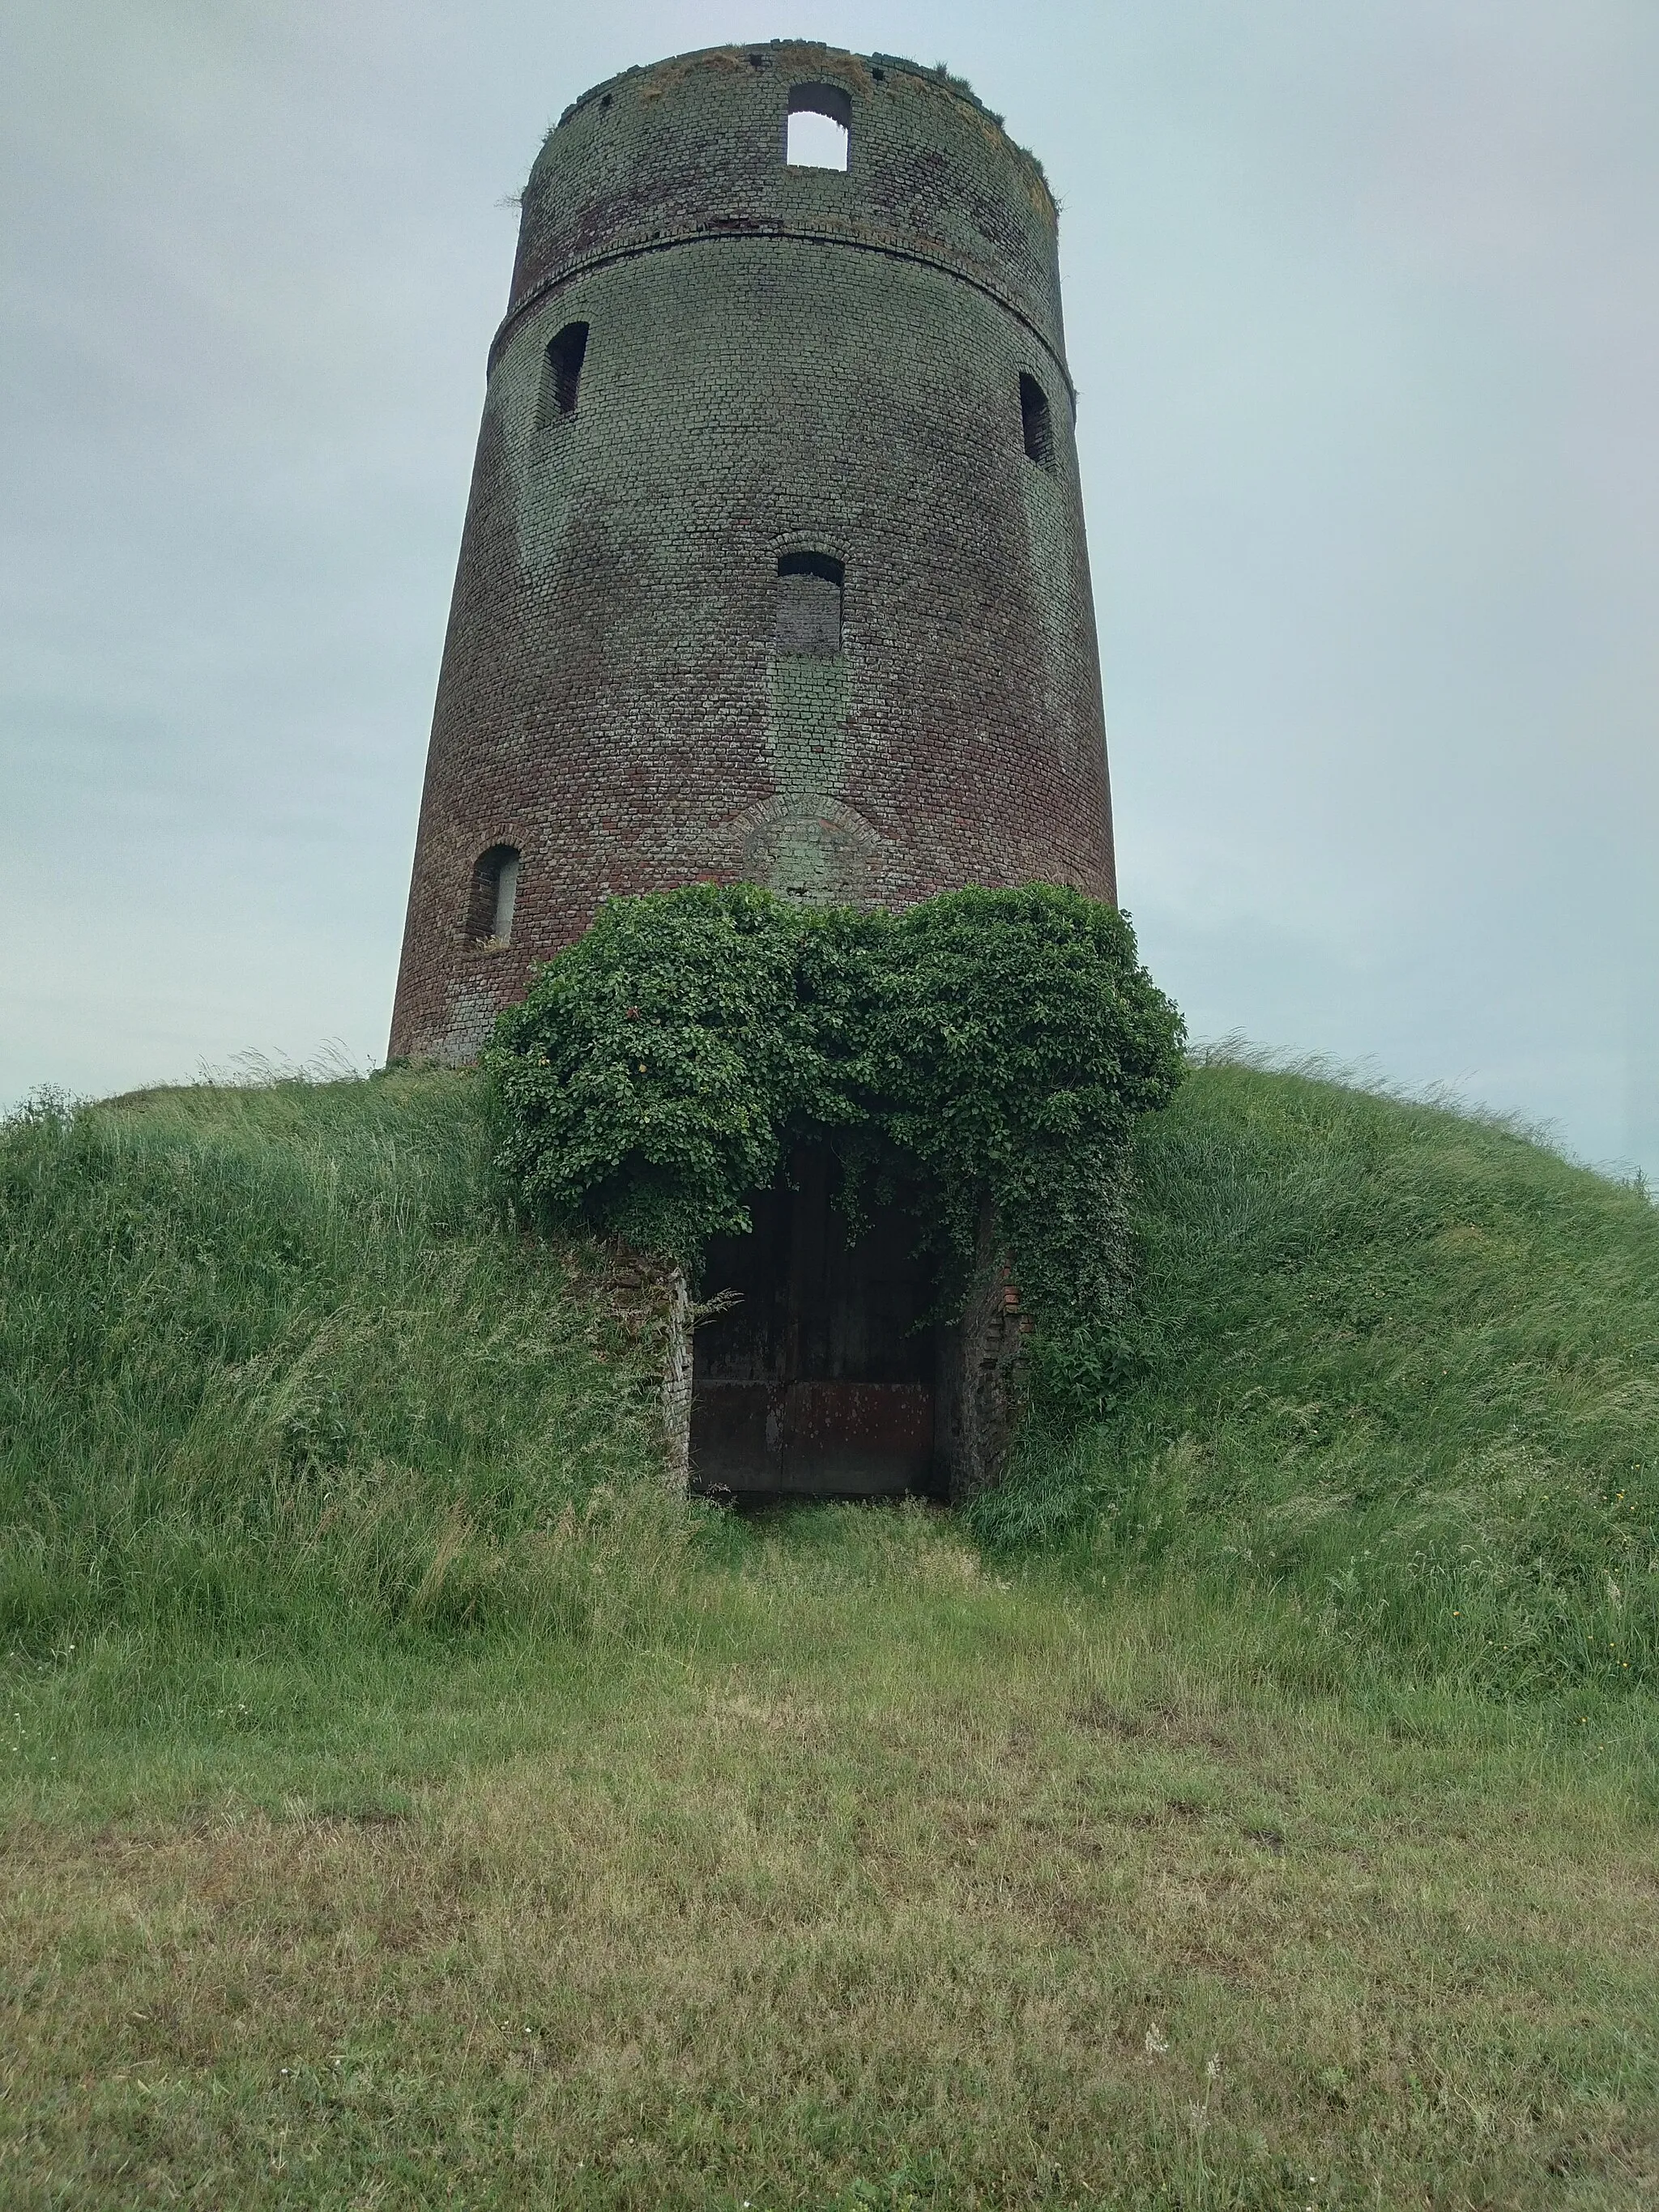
pixel 985 1055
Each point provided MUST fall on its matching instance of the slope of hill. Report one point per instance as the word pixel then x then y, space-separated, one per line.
pixel 268 1350
pixel 273 1355
pixel 1397 1362
pixel 405 1800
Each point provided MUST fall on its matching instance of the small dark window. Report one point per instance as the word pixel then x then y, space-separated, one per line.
pixel 562 375
pixel 1033 421
pixel 808 618
pixel 494 895
pixel 820 132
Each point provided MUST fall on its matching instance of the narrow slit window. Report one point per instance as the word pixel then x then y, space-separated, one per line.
pixel 1038 430
pixel 820 131
pixel 562 376
pixel 494 895
pixel 808 616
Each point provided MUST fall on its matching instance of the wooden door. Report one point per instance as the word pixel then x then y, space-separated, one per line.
pixel 821 1382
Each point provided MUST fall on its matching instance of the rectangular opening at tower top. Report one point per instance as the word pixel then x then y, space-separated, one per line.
pixel 820 134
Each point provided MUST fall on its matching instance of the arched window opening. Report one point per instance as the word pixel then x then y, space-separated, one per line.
pixel 562 377
pixel 808 615
pixel 494 895
pixel 1033 421
pixel 820 131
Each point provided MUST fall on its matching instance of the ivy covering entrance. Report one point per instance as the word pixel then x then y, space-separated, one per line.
pixel 984 1047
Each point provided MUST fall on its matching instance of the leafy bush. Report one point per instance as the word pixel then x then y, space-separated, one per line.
pixel 983 1050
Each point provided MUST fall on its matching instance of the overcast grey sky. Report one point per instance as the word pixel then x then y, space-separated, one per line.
pixel 1363 306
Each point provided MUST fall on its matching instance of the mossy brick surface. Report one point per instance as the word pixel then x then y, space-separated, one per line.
pixel 778 360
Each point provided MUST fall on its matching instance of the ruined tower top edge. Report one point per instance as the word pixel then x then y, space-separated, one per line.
pixel 690 148
pixel 785 51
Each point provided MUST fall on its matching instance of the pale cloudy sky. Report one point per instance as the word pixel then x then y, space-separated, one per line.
pixel 1363 304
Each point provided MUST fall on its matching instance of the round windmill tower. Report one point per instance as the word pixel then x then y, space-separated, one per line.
pixel 774 567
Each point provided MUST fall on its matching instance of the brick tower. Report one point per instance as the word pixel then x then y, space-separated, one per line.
pixel 774 567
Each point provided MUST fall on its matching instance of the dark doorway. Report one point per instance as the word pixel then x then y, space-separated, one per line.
pixel 822 1380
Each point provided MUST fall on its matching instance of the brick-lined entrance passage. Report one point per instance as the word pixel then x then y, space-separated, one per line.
pixel 825 1381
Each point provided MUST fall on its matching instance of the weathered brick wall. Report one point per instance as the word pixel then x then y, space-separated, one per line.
pixel 779 360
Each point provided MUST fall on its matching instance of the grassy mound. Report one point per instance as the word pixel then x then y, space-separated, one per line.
pixel 274 1356
pixel 1397 1365
pixel 831 1860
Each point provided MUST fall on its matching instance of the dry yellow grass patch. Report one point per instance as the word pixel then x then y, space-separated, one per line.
pixel 975 1900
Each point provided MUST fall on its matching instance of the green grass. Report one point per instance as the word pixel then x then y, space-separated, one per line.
pixel 271 1358
pixel 407 1802
pixel 1396 1365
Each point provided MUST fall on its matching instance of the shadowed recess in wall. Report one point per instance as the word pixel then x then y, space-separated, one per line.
pixel 494 896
